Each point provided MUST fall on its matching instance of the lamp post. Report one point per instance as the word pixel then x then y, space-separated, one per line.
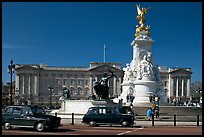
pixel 11 68
pixel 50 89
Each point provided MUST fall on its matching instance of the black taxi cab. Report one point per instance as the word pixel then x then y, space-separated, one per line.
pixel 29 117
pixel 107 115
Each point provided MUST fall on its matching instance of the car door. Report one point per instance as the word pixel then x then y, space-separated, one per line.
pixel 97 115
pixel 16 116
pixel 27 118
pixel 102 117
pixel 112 116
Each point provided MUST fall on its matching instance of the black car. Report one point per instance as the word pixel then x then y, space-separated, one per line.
pixel 107 115
pixel 29 116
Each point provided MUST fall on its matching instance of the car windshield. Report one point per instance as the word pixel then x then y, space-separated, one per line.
pixel 38 110
pixel 93 111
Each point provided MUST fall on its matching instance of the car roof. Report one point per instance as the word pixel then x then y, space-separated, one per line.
pixel 22 106
pixel 102 107
pixel 16 106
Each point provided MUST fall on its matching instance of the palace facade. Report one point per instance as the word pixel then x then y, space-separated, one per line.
pixel 43 85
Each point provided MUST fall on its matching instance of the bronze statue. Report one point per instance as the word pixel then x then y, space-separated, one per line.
pixel 66 93
pixel 101 87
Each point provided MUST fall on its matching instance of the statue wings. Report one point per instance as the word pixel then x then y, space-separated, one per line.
pixel 138 9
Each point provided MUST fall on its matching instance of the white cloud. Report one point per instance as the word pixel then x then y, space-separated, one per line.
pixel 7 46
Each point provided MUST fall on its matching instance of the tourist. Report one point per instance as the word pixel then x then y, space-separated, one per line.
pixel 149 113
pixel 153 106
pixel 128 98
pixel 132 98
pixel 130 109
pixel 174 101
pixel 131 105
pixel 150 98
pixel 153 98
pixel 156 110
pixel 156 98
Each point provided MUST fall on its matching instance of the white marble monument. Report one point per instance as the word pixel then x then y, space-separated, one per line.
pixel 141 79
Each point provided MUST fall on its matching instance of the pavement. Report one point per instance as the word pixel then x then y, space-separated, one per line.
pixel 139 123
pixel 166 123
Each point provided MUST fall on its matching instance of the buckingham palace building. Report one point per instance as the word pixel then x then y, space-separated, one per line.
pixel 43 84
pixel 40 84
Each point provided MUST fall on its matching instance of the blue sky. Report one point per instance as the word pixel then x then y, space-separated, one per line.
pixel 74 33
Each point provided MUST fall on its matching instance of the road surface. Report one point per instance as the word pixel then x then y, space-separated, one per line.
pixel 109 130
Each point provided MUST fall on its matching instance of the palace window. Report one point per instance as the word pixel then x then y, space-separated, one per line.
pixel 79 82
pixel 86 82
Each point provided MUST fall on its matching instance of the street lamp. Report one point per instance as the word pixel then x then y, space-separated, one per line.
pixel 50 89
pixel 11 68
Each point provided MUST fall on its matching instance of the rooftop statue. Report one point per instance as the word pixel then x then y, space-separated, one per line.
pixel 142 20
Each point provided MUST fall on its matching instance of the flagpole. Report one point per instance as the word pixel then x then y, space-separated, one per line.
pixel 104 54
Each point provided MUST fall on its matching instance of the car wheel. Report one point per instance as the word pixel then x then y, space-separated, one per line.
pixel 39 127
pixel 125 123
pixel 7 126
pixel 92 123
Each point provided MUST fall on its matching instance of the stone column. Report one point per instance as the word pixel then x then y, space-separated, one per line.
pixel 188 87
pixel 91 84
pixel 16 91
pixel 170 86
pixel 38 84
pixel 182 93
pixel 17 82
pixel 29 86
pixel 114 86
pixel 23 87
pixel 96 78
pixel 119 87
pixel 35 85
pixel 177 87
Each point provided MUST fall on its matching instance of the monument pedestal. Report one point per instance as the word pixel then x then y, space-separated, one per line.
pixel 141 90
pixel 80 107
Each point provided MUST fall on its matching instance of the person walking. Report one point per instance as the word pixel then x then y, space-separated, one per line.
pixel 153 107
pixel 156 110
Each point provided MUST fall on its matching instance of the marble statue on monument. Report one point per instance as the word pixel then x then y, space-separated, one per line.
pixel 141 78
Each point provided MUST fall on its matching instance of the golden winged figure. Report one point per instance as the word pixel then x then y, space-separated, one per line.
pixel 141 18
pixel 141 14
